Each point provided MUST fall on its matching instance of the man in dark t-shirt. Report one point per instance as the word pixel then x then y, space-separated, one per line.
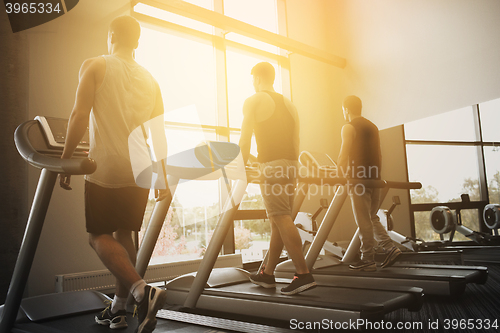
pixel 360 158
pixel 274 120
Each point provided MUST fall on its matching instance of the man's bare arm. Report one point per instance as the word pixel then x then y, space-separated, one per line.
pixel 296 132
pixel 79 118
pixel 348 134
pixel 247 128
pixel 160 142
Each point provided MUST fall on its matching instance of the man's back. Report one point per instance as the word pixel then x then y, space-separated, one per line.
pixel 124 100
pixel 276 127
pixel 365 157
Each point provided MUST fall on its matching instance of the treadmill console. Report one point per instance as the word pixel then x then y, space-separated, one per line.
pixel 54 130
pixel 320 161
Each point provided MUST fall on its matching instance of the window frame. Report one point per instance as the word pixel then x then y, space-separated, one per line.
pixel 482 177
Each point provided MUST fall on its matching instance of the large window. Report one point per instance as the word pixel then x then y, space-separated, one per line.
pixel 185 71
pixel 451 126
pixel 490 118
pixel 239 82
pixel 204 76
pixel 448 169
pixel 453 154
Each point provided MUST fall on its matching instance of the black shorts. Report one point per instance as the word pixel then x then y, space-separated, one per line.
pixel 110 209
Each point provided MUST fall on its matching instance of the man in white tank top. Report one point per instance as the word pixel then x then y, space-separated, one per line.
pixel 117 95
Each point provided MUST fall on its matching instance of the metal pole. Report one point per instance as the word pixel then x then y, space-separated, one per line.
pixel 326 226
pixel 183 223
pixel 153 231
pixel 352 251
pixel 215 245
pixel 151 235
pixel 206 227
pixel 27 252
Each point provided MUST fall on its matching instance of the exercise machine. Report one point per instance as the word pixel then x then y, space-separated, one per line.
pixel 307 225
pixel 40 143
pixel 443 221
pixel 412 247
pixel 229 290
pixel 481 247
pixel 433 279
pixel 388 222
pixel 491 215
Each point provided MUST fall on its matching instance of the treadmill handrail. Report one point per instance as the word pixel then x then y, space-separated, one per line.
pixel 77 166
pixel 403 185
pixel 256 176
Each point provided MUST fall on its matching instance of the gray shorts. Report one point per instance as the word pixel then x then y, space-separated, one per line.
pixel 278 198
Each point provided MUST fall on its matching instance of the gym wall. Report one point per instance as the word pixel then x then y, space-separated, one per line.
pixel 394 168
pixel 13 170
pixel 417 58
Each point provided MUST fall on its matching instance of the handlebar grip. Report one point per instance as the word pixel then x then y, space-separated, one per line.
pixel 75 166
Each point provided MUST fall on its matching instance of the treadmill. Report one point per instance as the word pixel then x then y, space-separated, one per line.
pixel 229 290
pixel 40 143
pixel 433 279
pixel 321 162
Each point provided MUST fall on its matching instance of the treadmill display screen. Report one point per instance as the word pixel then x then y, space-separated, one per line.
pixel 55 130
pixel 59 128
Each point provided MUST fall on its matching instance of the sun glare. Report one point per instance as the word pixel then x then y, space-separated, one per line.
pixel 203 89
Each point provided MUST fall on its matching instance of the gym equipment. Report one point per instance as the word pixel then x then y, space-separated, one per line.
pixel 229 290
pixel 307 226
pixel 443 221
pixel 482 247
pixel 358 302
pixel 491 215
pixel 433 279
pixel 387 221
pixel 39 143
pixel 413 246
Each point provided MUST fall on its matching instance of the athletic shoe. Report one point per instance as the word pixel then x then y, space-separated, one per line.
pixel 264 280
pixel 299 284
pixel 393 254
pixel 154 300
pixel 113 320
pixel 364 265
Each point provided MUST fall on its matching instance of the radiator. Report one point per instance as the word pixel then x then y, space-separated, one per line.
pixel 104 280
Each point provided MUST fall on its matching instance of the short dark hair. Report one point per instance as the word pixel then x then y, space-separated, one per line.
pixel 127 30
pixel 265 71
pixel 353 103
